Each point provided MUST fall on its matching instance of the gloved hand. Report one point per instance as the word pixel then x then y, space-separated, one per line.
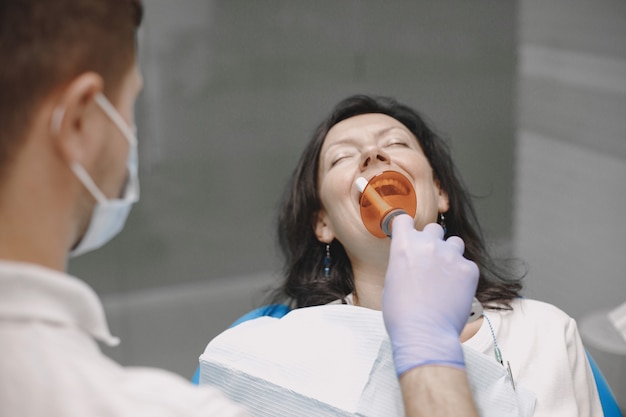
pixel 429 288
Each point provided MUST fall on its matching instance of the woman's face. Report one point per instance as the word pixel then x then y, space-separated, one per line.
pixel 363 146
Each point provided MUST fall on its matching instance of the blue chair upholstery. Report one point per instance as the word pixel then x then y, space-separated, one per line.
pixel 272 310
pixel 609 403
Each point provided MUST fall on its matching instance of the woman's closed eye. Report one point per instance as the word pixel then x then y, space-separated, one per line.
pixel 341 155
pixel 397 142
pixel 339 158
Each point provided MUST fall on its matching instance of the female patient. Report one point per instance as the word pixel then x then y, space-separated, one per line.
pixel 332 258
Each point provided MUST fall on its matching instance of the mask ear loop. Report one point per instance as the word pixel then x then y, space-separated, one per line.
pixel 84 177
pixel 132 188
pixel 55 126
pixel 108 108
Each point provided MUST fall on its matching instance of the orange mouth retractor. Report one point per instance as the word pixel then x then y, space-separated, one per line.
pixel 384 197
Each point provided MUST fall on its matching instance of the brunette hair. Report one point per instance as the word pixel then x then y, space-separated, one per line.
pixel 45 44
pixel 304 281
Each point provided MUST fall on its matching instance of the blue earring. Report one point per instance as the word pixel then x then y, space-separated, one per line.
pixel 442 223
pixel 327 260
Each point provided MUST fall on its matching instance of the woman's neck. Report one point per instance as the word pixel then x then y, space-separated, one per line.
pixel 368 296
pixel 369 283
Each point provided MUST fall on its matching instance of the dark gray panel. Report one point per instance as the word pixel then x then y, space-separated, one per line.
pixel 233 90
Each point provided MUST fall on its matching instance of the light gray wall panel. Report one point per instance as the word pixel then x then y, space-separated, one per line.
pixel 571 151
pixel 576 25
pixel 571 158
pixel 569 226
pixel 579 115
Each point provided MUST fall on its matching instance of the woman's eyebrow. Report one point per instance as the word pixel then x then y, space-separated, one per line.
pixel 348 140
pixel 386 130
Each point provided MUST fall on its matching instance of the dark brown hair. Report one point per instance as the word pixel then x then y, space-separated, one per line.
pixel 44 44
pixel 304 282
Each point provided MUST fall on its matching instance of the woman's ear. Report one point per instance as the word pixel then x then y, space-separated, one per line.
pixel 444 201
pixel 73 106
pixel 323 228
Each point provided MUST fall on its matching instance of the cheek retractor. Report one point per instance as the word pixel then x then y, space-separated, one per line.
pixel 385 196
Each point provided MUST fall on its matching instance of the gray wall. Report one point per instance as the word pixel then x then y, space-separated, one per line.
pixel 233 90
pixel 571 152
pixel 571 166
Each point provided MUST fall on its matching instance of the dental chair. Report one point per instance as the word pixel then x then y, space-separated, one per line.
pixel 272 310
pixel 607 399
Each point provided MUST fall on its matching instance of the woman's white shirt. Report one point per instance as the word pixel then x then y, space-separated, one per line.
pixel 546 355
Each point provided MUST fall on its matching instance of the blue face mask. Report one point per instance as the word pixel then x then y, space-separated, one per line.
pixel 109 215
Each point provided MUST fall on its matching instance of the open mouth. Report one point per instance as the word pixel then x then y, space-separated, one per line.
pixel 390 191
pixel 390 187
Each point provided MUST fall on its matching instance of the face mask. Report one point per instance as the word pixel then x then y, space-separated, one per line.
pixel 109 215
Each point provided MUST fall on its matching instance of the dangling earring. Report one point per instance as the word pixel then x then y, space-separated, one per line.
pixel 442 223
pixel 327 260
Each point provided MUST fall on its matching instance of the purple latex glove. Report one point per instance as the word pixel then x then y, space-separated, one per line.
pixel 429 288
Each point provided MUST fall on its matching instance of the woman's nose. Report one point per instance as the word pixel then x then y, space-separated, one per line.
pixel 374 155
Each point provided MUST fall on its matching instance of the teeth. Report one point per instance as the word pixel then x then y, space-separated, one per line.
pixel 398 187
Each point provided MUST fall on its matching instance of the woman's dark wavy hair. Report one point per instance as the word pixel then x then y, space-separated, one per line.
pixel 304 281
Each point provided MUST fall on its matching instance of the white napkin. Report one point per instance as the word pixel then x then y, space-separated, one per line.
pixel 333 360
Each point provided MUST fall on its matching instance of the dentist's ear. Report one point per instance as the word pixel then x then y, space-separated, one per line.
pixel 57 119
pixel 70 113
